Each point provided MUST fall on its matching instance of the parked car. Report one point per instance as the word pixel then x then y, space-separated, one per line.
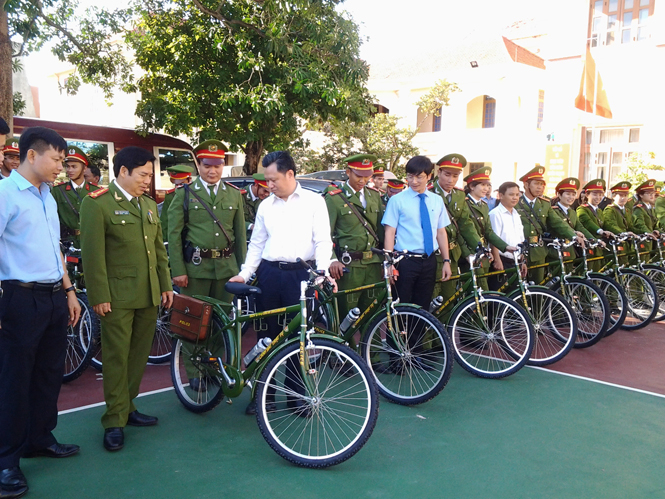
pixel 315 185
pixel 329 175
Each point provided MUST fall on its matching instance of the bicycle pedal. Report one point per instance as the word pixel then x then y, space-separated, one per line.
pixel 229 401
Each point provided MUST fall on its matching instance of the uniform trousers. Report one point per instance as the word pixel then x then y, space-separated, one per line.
pixel 33 342
pixel 127 336
pixel 416 280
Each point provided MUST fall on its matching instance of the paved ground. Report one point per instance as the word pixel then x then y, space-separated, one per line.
pixel 535 434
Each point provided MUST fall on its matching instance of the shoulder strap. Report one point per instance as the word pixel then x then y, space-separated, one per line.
pixel 363 221
pixel 450 216
pixel 473 212
pixel 219 224
pixel 622 215
pixel 69 202
pixel 533 216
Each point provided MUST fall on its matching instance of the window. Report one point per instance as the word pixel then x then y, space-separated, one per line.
pixel 601 158
pixel 475 166
pixel 598 7
pixel 589 136
pixel 436 122
pixel 489 112
pixel 614 5
pixel 644 3
pixel 628 4
pixel 168 158
pixel 587 158
pixel 634 135
pixel 611 135
pixel 541 108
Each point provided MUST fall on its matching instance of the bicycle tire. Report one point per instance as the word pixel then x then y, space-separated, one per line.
pixel 554 322
pixel 656 274
pixel 81 341
pixel 616 297
pixel 642 299
pixel 328 427
pixel 403 374
pixel 590 306
pixel 493 341
pixel 207 393
pixel 160 351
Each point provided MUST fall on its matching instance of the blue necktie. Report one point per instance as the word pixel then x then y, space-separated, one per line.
pixel 426 225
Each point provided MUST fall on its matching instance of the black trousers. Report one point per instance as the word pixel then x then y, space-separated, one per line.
pixel 496 281
pixel 415 283
pixel 33 342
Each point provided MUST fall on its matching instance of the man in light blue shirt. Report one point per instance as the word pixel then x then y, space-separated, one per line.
pixel 36 303
pixel 414 220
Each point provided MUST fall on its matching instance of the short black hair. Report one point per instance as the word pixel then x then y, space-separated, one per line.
pixel 418 165
pixel 283 160
pixel 4 127
pixel 39 138
pixel 131 157
pixel 94 169
pixel 507 185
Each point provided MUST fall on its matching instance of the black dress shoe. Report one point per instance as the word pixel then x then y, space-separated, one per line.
pixel 12 483
pixel 55 450
pixel 114 439
pixel 137 419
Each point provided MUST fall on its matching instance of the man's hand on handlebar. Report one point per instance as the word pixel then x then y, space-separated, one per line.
pixel 580 239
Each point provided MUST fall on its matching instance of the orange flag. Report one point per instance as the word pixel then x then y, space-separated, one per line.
pixel 592 84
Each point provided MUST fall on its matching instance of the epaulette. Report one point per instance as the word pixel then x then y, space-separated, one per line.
pixel 458 189
pixel 545 198
pixel 243 191
pixel 484 200
pixel 639 205
pixel 373 189
pixel 148 196
pixel 171 191
pixel 64 182
pixel 430 187
pixel 234 186
pixel 335 192
pixel 94 185
pixel 556 207
pixel 586 205
pixel 98 193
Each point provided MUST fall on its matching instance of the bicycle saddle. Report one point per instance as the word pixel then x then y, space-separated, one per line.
pixel 240 289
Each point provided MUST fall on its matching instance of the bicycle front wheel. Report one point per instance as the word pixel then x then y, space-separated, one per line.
pixel 81 341
pixel 327 426
pixel 616 297
pixel 592 310
pixel 492 338
pixel 411 358
pixel 554 324
pixel 656 274
pixel 160 351
pixel 642 296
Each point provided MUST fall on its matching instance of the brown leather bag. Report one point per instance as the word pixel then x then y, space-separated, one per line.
pixel 190 318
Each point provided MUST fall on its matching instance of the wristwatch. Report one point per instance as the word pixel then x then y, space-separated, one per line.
pixel 70 288
pixel 446 260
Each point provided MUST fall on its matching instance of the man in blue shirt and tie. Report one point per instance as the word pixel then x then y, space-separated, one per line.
pixel 36 303
pixel 414 219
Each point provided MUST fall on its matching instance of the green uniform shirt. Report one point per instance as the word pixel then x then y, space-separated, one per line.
pixel 69 201
pixel 250 208
pixel 644 219
pixel 571 218
pixel 348 232
pixel 124 258
pixel 617 220
pixel 461 231
pixel 591 219
pixel 539 220
pixel 164 215
pixel 480 216
pixel 205 233
pixel 659 209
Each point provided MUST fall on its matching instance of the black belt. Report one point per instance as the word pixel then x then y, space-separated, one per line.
pixel 288 265
pixel 36 286
pixel 216 253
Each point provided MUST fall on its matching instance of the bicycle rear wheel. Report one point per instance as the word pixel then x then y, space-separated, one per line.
pixel 642 297
pixel 616 297
pixel 590 306
pixel 412 360
pixel 491 339
pixel 656 274
pixel 160 351
pixel 324 428
pixel 554 324
pixel 81 341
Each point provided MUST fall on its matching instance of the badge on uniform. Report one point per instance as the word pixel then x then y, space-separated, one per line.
pixel 150 219
pixel 121 212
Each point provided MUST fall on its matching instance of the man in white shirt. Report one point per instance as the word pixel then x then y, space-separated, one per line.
pixel 507 224
pixel 291 223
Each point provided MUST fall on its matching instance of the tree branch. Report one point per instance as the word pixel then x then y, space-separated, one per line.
pixel 61 29
pixel 217 14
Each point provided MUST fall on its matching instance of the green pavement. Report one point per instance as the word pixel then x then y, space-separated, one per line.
pixel 533 435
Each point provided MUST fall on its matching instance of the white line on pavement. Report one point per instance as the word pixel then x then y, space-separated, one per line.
pixel 82 408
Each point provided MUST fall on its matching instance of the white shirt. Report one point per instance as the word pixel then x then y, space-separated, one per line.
pixel 508 226
pixel 78 186
pixel 564 208
pixel 124 192
pixel 361 196
pixel 285 230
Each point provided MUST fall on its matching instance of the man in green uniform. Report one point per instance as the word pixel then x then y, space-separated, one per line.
pixel 617 217
pixel 179 174
pixel 393 186
pixel 127 278
pixel 462 236
pixel 10 160
pixel 591 216
pixel 69 195
pixel 539 220
pixel 644 218
pixel 355 213
pixel 378 179
pixel 256 193
pixel 214 226
pixel 478 186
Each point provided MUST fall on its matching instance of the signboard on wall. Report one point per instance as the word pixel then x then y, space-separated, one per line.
pixel 557 158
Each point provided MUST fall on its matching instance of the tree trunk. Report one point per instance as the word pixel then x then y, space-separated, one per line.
pixel 253 153
pixel 6 86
